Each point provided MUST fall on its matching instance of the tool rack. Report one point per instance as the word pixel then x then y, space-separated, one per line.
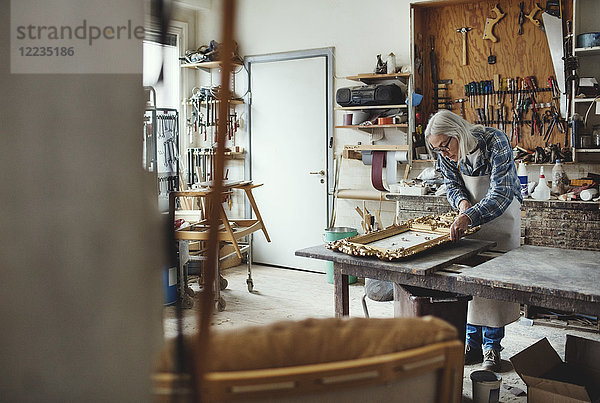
pixel 231 231
pixel 490 76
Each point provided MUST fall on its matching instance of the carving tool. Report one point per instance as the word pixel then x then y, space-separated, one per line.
pixel 521 18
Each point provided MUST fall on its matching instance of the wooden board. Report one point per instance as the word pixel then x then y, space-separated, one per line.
pixel 422 264
pixel 556 272
pixel 517 55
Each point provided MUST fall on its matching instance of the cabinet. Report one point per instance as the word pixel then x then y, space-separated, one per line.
pixel 201 125
pixel 585 13
pixel 376 131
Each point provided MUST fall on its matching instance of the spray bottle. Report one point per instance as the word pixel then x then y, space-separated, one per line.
pixel 541 191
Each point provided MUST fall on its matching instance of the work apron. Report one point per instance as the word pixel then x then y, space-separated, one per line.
pixel 506 231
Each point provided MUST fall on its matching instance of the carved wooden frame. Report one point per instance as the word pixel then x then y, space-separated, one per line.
pixel 435 230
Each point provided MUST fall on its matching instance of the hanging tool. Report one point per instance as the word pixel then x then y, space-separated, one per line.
pixel 531 17
pixel 434 76
pixel 521 18
pixel 488 32
pixel 553 7
pixel 491 58
pixel 554 36
pixel 461 102
pixel 464 31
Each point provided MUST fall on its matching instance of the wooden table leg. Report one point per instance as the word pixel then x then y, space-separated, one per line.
pixel 248 191
pixel 342 292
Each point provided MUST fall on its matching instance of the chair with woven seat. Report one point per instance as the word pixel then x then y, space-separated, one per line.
pixel 319 360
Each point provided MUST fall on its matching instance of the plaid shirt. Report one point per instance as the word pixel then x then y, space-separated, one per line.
pixel 496 160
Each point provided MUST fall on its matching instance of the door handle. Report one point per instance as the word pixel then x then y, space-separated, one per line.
pixel 321 172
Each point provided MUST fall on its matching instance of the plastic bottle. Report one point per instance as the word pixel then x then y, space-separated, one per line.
pixel 558 178
pixel 542 191
pixel 391 63
pixel 522 174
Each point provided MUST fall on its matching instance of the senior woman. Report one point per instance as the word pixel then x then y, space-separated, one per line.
pixel 482 184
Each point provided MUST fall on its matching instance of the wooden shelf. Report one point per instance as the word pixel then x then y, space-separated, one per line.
pixel 231 101
pixel 353 151
pixel 367 127
pixel 374 77
pixel 205 65
pixel 587 150
pixel 594 50
pixel 355 108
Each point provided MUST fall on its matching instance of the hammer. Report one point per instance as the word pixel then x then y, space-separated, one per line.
pixel 464 31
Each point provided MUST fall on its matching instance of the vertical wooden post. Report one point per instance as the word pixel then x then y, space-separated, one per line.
pixel 207 295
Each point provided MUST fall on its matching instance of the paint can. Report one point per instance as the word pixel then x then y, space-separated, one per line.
pixel 169 285
pixel 486 386
pixel 335 234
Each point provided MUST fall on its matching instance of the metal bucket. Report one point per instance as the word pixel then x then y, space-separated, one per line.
pixel 588 40
pixel 334 234
pixel 169 277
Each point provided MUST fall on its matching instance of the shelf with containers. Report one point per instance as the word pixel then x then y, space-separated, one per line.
pixel 584 103
pixel 403 123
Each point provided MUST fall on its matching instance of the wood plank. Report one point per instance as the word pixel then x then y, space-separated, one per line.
pixel 557 272
pixel 376 147
pixel 367 127
pixel 354 108
pixel 421 264
pixel 373 76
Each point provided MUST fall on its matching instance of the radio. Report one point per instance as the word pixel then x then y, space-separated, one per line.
pixel 365 95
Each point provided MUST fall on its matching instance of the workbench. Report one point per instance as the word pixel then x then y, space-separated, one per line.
pixel 561 279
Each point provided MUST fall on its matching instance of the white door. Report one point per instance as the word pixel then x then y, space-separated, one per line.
pixel 288 141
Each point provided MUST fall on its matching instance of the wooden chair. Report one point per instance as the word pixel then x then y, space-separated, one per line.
pixel 431 372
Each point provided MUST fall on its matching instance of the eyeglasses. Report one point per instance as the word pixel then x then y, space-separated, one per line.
pixel 442 148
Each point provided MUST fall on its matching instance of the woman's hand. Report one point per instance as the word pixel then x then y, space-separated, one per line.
pixel 459 226
pixel 463 206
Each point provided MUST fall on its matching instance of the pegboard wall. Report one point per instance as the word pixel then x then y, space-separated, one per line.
pixel 517 56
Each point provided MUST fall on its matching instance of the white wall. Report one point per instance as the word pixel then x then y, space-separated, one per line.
pixel 358 31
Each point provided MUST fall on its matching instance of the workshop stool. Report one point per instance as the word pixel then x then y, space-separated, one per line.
pixel 377 290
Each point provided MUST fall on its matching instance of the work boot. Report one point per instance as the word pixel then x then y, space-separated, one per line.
pixel 491 360
pixel 473 355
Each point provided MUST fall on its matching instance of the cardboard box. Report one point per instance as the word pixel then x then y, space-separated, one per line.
pixel 550 380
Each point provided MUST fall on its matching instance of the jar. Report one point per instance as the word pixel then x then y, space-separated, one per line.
pixel 586 141
pixel 596 136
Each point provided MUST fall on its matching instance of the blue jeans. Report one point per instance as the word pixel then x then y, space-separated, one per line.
pixel 488 337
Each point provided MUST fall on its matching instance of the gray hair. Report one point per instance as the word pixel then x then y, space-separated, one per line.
pixel 450 124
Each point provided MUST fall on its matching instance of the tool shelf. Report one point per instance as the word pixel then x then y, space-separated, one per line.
pixel 594 50
pixel 407 128
pixel 206 65
pixel 585 20
pixel 368 78
pixel 356 108
pixel 369 127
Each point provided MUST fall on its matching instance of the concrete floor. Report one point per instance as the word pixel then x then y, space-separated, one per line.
pixel 281 294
